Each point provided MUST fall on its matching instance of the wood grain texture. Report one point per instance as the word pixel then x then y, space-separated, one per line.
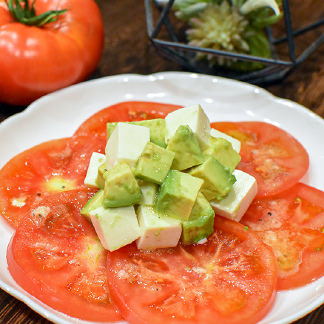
pixel 127 50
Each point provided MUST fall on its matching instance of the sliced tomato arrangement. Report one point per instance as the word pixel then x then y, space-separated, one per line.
pixel 292 223
pixel 56 256
pixel 48 167
pixel 124 112
pixel 271 155
pixel 230 279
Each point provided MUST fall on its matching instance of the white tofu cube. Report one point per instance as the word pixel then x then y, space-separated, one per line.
pixel 236 144
pixel 192 116
pixel 236 203
pixel 157 231
pixel 115 227
pixel 95 161
pixel 126 144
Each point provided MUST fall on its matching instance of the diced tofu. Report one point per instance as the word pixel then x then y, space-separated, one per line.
pixel 126 144
pixel 95 161
pixel 192 116
pixel 235 204
pixel 115 227
pixel 157 231
pixel 236 144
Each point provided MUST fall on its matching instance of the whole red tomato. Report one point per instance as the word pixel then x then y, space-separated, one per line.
pixel 41 58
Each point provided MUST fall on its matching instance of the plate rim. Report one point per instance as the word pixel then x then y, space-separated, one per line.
pixel 33 107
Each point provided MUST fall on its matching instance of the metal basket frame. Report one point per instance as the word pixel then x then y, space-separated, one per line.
pixel 275 68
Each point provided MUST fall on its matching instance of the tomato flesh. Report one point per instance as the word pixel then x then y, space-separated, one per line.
pixel 292 223
pixel 230 279
pixel 56 256
pixel 275 158
pixel 48 167
pixel 124 112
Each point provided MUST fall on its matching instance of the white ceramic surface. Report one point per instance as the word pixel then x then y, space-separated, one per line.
pixel 59 114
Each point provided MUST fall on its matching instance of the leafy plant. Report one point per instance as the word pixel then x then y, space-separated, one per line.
pixel 229 25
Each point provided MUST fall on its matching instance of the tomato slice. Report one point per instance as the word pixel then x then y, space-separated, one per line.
pixel 124 112
pixel 275 158
pixel 48 167
pixel 230 279
pixel 56 256
pixel 292 223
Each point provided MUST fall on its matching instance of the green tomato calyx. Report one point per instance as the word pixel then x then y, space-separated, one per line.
pixel 25 13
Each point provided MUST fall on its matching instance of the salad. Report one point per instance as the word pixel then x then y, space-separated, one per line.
pixel 231 278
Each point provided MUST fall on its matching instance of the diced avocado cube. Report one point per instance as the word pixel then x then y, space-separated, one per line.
pixel 186 148
pixel 154 163
pixel 149 192
pixel 197 229
pixel 110 129
pixel 100 177
pixel 236 144
pixel 157 231
pixel 126 144
pixel 223 151
pixel 200 223
pixel 178 194
pixel 92 204
pixel 218 180
pixel 156 126
pixel 201 207
pixel 92 172
pixel 192 116
pixel 121 187
pixel 157 130
pixel 115 227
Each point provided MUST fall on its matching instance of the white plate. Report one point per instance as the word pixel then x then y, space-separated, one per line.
pixel 59 114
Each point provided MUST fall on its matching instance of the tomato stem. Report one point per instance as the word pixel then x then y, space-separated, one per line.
pixel 25 13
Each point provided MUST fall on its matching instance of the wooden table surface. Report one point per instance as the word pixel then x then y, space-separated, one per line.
pixel 127 50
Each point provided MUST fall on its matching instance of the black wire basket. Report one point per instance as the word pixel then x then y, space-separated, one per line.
pixel 275 68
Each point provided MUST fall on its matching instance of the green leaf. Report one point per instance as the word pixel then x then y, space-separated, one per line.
pixel 264 17
pixel 191 11
pixel 187 9
pixel 259 46
pixel 251 5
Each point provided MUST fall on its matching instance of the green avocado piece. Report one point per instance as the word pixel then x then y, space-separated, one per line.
pixel 156 126
pixel 200 223
pixel 100 177
pixel 121 188
pixel 186 148
pixel 149 192
pixel 223 151
pixel 110 129
pixel 154 163
pixel 178 194
pixel 92 204
pixel 218 180
pixel 195 230
pixel 157 130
